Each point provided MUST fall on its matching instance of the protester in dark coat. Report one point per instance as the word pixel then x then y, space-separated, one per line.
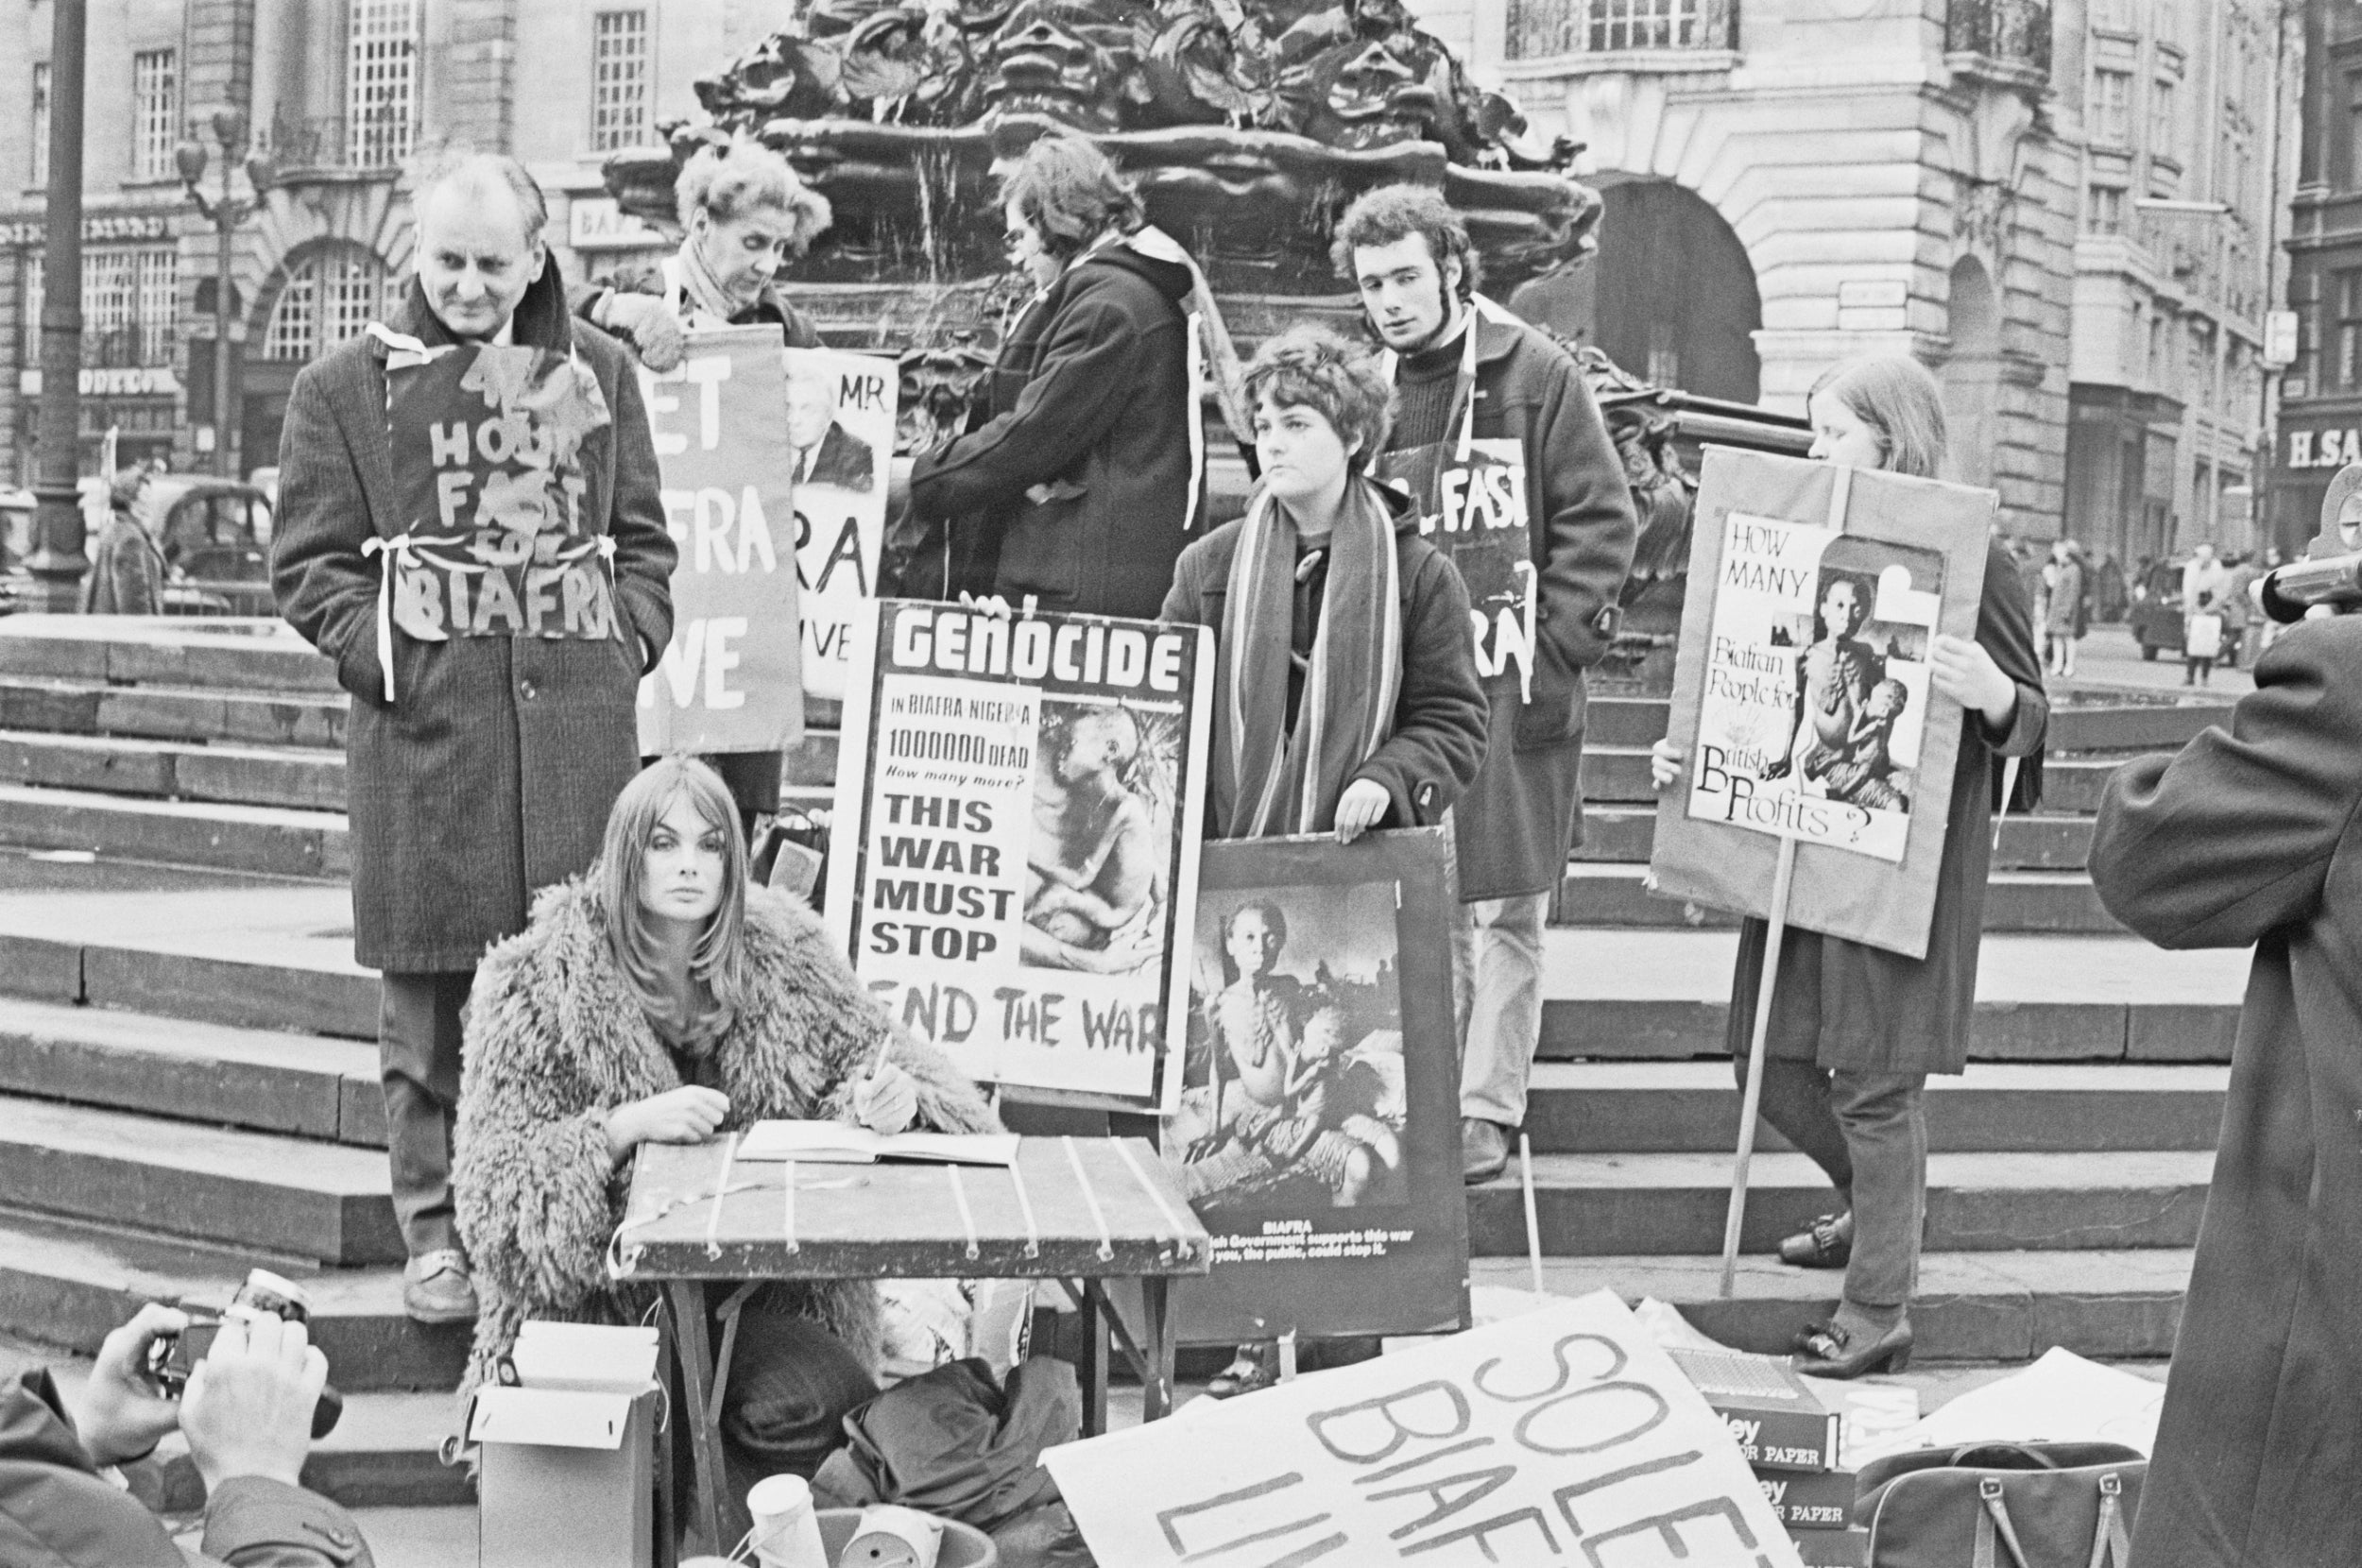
pixel 247 1420
pixel 1855 1030
pixel 1335 711
pixel 2253 835
pixel 127 570
pixel 488 770
pixel 1084 480
pixel 743 215
pixel 1466 373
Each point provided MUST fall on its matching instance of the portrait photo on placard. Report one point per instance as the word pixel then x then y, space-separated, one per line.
pixel 1097 876
pixel 1293 1092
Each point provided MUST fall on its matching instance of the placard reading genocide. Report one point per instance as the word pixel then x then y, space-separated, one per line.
pixel 1317 1133
pixel 840 440
pixel 485 441
pixel 729 680
pixel 1561 1436
pixel 1015 866
pixel 1816 686
pixel 1802 697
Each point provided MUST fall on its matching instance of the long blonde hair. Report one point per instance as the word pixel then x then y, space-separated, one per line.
pixel 1900 403
pixel 717 962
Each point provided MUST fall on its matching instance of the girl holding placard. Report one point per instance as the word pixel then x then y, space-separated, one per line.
pixel 1856 1029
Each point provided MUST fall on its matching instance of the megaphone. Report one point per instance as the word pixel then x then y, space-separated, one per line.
pixel 2331 573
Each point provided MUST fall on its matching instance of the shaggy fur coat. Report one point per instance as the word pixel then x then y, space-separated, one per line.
pixel 556 1040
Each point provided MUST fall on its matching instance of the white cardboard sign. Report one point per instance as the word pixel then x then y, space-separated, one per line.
pixel 1562 1436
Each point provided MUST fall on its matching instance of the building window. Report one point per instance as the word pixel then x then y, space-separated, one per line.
pixel 2161 127
pixel 381 81
pixel 619 79
pixel 1541 29
pixel 155 114
pixel 2344 370
pixel 130 304
pixel 40 123
pixel 2112 108
pixel 2106 215
pixel 327 300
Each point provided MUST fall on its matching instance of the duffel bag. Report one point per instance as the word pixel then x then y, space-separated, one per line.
pixel 2043 1505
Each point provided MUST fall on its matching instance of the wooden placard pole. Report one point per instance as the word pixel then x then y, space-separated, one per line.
pixel 1783 873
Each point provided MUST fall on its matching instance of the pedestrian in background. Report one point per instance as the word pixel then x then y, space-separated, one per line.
pixel 743 215
pixel 480 768
pixel 1086 476
pixel 1855 1030
pixel 2204 581
pixel 126 567
pixel 1475 391
pixel 2064 607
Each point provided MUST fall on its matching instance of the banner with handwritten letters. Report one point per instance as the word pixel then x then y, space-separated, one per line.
pixel 485 441
pixel 730 679
pixel 1803 696
pixel 1561 1436
pixel 1019 809
pixel 1474 509
pixel 840 452
pixel 1317 1136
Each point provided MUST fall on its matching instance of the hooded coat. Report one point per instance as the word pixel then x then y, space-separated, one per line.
pixel 492 772
pixel 1076 488
pixel 556 1040
pixel 58 1512
pixel 1438 739
pixel 2254 834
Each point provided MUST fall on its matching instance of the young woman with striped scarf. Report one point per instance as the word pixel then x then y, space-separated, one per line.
pixel 1346 688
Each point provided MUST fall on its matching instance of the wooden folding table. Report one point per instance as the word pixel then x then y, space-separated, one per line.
pixel 1080 1211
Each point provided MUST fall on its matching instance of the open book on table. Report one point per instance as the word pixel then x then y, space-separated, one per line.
pixel 834 1143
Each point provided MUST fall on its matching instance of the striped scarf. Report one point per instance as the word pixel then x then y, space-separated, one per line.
pixel 1269 779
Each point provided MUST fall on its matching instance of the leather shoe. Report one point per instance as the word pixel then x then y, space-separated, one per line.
pixel 1483 1150
pixel 435 1288
pixel 1254 1368
pixel 1829 1350
pixel 1827 1243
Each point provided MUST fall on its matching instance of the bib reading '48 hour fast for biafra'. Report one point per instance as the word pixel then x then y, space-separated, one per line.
pixel 1473 506
pixel 486 443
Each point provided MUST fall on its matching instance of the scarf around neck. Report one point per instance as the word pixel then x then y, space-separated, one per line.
pixel 1270 779
pixel 700 289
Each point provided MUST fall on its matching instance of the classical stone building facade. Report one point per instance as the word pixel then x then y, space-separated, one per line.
pixel 1793 182
pixel 340 96
pixel 2319 427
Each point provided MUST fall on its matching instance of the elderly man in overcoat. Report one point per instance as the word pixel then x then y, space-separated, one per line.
pixel 2253 835
pixel 1509 461
pixel 483 760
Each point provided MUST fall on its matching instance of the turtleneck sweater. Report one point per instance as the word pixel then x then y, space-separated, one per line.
pixel 1423 389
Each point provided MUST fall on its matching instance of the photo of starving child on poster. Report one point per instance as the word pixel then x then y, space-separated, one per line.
pixel 1316 1115
pixel 1105 783
pixel 1816 686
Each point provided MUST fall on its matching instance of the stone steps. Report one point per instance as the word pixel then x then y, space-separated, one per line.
pixel 1605 1205
pixel 1644 1029
pixel 325 1202
pixel 298 1085
pixel 241 652
pixel 1682 1107
pixel 1612 896
pixel 67 1284
pixel 304 779
pixel 160 712
pixel 273 840
pixel 1971 1306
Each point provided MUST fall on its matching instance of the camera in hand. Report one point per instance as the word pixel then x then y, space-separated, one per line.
pixel 174 1357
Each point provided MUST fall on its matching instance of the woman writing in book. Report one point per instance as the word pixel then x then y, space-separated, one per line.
pixel 1855 1030
pixel 660 999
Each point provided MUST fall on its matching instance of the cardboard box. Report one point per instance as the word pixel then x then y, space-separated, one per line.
pixel 569 1452
pixel 1776 1420
pixel 1832 1548
pixel 1809 1501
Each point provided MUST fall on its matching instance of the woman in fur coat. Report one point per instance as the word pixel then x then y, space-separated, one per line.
pixel 658 998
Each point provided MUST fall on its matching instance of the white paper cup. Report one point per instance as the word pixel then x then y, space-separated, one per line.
pixel 787 1531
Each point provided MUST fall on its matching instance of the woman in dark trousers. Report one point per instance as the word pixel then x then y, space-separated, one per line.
pixel 743 215
pixel 1856 1029
pixel 1348 696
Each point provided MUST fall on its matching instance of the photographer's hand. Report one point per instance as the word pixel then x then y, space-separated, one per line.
pixel 118 1414
pixel 1963 672
pixel 248 1406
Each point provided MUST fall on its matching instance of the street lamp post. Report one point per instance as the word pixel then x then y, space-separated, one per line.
pixel 57 563
pixel 225 212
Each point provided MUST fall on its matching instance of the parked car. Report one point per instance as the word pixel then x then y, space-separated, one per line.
pixel 2156 617
pixel 217 542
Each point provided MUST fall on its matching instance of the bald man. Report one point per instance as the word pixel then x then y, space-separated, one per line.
pixel 481 765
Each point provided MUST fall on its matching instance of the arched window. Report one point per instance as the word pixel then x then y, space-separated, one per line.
pixel 328 296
